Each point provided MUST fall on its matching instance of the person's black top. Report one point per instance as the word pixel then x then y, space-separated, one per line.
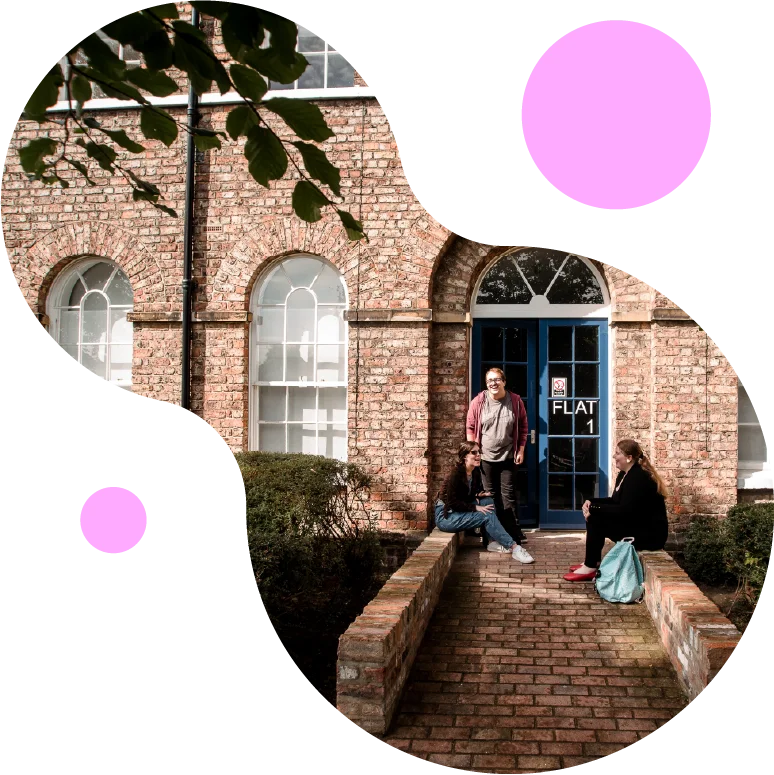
pixel 637 499
pixel 457 493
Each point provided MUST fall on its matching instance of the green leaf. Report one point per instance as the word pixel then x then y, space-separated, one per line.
pixel 284 34
pixel 270 63
pixel 104 155
pixel 102 58
pixel 243 24
pixel 132 29
pixel 165 11
pixel 45 95
pixel 81 88
pixel 304 118
pixel 82 169
pixel 158 83
pixel 354 227
pixel 157 124
pixel 266 158
pixel 195 58
pixel 157 51
pixel 248 82
pixel 31 155
pixel 307 201
pixel 318 166
pixel 188 29
pixel 240 121
pixel 216 10
pixel 206 142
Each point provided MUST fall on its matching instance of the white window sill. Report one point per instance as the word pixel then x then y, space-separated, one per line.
pixel 755 476
pixel 181 100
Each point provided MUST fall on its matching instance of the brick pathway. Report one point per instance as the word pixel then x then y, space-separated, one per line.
pixel 521 671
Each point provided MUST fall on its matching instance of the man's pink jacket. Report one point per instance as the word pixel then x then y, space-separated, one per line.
pixel 473 424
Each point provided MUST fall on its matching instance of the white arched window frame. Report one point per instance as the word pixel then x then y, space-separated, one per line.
pixel 298 359
pixel 87 310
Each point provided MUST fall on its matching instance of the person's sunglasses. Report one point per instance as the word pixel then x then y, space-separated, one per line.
pixel 493 381
pixel 475 452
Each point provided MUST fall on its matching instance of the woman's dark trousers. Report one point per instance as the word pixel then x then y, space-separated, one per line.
pixel 499 479
pixel 650 537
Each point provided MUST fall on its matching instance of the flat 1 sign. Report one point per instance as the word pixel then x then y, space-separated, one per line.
pixel 581 407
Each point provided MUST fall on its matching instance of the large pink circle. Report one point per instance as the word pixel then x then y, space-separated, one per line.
pixel 616 114
pixel 113 520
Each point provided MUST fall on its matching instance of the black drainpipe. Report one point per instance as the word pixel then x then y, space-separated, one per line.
pixel 188 283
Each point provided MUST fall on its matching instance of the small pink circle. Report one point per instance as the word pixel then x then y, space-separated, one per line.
pixel 113 520
pixel 616 114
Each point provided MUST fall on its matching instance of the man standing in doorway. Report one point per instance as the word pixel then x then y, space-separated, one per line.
pixel 497 421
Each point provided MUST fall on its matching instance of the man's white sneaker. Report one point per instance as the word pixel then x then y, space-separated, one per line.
pixel 522 555
pixel 493 546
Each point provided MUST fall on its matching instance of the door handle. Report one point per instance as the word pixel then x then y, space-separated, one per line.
pixel 532 436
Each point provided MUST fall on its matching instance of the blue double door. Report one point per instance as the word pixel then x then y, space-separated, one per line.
pixel 560 369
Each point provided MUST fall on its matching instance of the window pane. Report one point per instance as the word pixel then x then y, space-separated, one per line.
pixel 271 438
pixel 275 86
pixel 560 492
pixel 300 317
pixel 559 371
pixel 560 418
pixel 492 344
pixel 575 285
pixel 300 363
pixel 516 379
pixel 308 41
pixel 270 363
pixel 121 363
pixel 503 285
pixel 68 326
pixel 586 488
pixel 302 438
pixel 302 271
pixel 271 404
pixel 94 318
pixel 331 363
pixel 76 294
pixel 752 445
pixel 120 327
pixel 332 405
pixel 329 287
pixel 93 358
pixel 276 289
pixel 301 404
pixel 560 454
pixel 332 441
pixel 586 382
pixel 560 343
pixel 540 267
pixel 271 324
pixel 340 72
pixel 120 289
pixel 586 455
pixel 587 418
pixel 313 76
pixel 586 343
pixel 516 345
pixel 71 350
pixel 330 324
pixel 746 410
pixel 96 276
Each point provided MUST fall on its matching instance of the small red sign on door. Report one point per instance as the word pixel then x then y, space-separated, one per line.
pixel 558 387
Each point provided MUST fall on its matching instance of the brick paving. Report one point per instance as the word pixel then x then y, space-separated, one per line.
pixel 521 671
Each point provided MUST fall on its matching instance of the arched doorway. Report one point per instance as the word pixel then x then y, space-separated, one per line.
pixel 542 316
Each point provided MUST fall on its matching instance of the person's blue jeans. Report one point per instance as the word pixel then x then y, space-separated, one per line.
pixel 456 521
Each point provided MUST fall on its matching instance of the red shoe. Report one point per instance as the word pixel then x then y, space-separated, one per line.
pixel 575 567
pixel 580 576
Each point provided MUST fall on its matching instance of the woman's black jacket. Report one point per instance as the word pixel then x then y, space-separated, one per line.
pixel 637 500
pixel 457 494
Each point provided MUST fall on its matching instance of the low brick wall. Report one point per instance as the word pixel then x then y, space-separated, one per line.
pixel 378 649
pixel 695 634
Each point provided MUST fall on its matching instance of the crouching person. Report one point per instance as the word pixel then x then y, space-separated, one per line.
pixel 462 504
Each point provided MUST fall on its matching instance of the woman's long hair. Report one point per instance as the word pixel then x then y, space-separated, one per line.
pixel 465 449
pixel 632 448
pixel 458 469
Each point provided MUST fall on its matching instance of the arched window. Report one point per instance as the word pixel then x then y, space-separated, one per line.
pixel 299 360
pixel 536 282
pixel 88 306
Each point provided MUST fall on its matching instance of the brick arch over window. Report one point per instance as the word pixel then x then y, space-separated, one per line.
pixel 274 238
pixel 44 260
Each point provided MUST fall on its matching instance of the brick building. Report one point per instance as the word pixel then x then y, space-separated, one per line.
pixel 305 341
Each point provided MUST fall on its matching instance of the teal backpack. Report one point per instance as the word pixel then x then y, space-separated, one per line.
pixel 620 578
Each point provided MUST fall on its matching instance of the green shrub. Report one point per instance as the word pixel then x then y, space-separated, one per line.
pixel 735 549
pixel 314 548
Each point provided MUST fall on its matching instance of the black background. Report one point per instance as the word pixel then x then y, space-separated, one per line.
pixel 203 678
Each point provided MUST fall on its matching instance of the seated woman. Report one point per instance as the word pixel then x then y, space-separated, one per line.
pixel 462 504
pixel 636 509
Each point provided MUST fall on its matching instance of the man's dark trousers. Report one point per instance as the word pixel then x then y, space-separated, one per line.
pixel 499 479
